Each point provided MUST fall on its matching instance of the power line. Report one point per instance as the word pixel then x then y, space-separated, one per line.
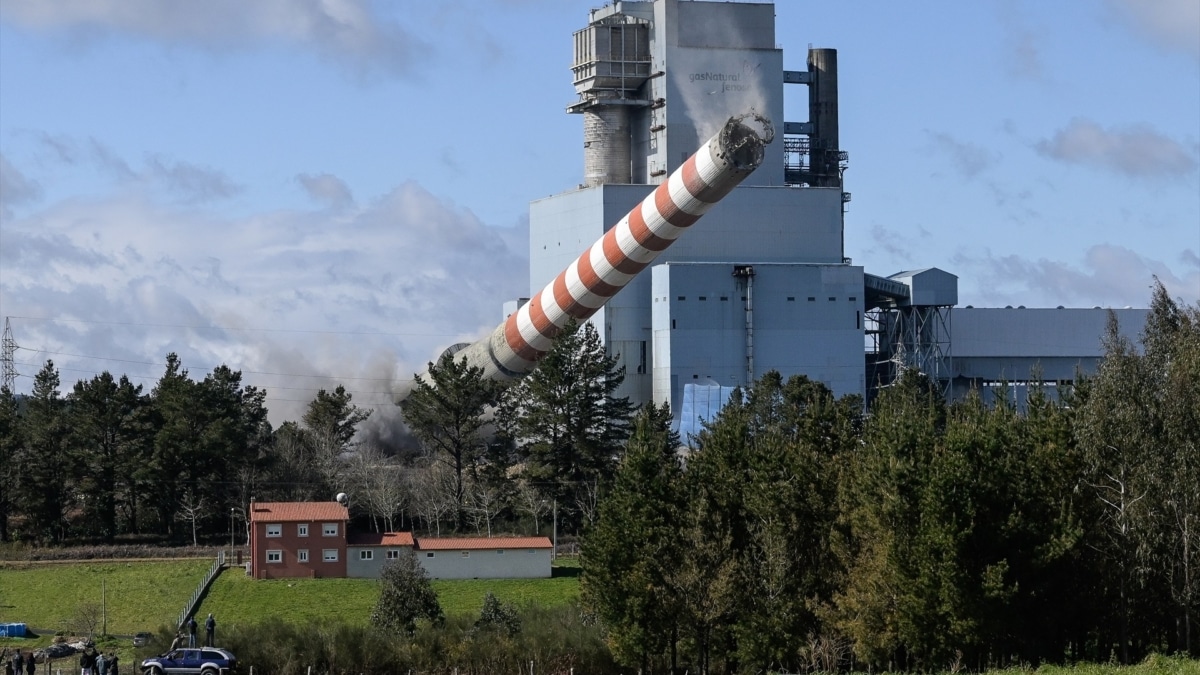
pixel 230 328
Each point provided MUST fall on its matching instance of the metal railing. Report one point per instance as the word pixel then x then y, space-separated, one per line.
pixel 213 571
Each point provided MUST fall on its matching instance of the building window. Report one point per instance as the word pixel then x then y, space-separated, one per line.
pixel 703 298
pixel 274 530
pixel 429 555
pixel 274 556
pixel 393 554
pixel 302 555
pixel 791 298
pixel 682 298
pixel 366 554
pixel 500 551
pixel 532 550
pixel 329 530
pixel 466 554
pixel 329 555
pixel 302 530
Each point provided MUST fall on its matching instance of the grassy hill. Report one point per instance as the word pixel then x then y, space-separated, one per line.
pixel 136 595
pixel 147 595
pixel 236 599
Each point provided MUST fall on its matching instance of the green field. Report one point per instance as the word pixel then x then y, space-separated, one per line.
pixel 148 595
pixel 235 598
pixel 133 596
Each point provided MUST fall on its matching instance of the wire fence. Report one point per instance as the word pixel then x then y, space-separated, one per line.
pixel 190 607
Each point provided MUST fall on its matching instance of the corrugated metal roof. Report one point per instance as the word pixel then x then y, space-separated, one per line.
pixel 380 539
pixel 287 512
pixel 474 543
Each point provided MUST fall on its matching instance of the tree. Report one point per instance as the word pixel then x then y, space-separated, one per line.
pixel 332 416
pixel 108 439
pixel 568 426
pixel 405 595
pixel 43 473
pixel 498 616
pixel 627 556
pixel 445 411
pixel 10 444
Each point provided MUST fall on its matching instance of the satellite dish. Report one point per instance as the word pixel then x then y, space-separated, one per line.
pixel 342 498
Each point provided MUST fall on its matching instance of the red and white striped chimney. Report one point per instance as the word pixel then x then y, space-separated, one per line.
pixel 513 349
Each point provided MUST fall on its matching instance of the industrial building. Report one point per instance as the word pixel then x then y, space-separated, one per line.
pixel 763 282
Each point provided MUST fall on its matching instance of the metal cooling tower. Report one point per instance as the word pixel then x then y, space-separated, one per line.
pixel 513 349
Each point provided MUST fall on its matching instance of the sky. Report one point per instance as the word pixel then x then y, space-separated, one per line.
pixel 325 192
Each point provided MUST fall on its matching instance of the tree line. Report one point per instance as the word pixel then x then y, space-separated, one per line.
pixel 923 535
pixel 802 531
pixel 107 461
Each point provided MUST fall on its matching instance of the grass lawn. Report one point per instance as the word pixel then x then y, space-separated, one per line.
pixel 137 595
pixel 235 598
pixel 149 595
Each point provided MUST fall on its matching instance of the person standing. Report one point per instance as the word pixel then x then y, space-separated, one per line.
pixel 30 664
pixel 112 664
pixel 210 630
pixel 17 662
pixel 191 631
pixel 101 664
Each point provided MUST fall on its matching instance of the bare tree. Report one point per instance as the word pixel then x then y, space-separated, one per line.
pixel 534 503
pixel 376 481
pixel 484 504
pixel 434 489
pixel 87 619
pixel 191 508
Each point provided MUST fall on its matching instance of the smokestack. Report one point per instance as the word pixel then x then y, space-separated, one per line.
pixel 513 349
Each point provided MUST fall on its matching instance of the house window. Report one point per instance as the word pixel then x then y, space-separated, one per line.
pixel 532 550
pixel 274 556
pixel 329 530
pixel 274 530
pixel 393 554
pixel 500 551
pixel 366 554
pixel 329 555
pixel 429 555
pixel 302 530
pixel 302 555
pixel 466 554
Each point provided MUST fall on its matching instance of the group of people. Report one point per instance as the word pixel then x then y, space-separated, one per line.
pixel 18 663
pixel 210 633
pixel 96 662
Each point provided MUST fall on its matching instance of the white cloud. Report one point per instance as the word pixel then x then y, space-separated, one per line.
pixel 968 158
pixel 326 187
pixel 15 187
pixel 350 33
pixel 1172 24
pixel 365 296
pixel 1134 151
pixel 1108 276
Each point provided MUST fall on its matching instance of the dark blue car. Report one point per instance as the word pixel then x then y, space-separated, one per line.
pixel 206 661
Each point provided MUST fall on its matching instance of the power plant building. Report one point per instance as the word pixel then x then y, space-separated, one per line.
pixel 762 282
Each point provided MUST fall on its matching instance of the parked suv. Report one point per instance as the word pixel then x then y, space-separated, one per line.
pixel 206 661
pixel 142 639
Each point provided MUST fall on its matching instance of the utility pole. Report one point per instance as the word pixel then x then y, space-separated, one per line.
pixel 554 552
pixel 103 608
pixel 8 348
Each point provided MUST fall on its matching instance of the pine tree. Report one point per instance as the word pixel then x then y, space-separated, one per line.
pixel 105 438
pixel 44 489
pixel 446 412
pixel 568 426
pixel 627 556
pixel 10 445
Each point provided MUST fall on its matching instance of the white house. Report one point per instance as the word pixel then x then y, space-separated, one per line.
pixel 485 557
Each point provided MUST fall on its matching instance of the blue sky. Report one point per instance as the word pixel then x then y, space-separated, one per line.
pixel 325 191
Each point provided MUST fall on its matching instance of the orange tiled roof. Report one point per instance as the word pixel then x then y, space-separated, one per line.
pixel 470 543
pixel 380 539
pixel 289 512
